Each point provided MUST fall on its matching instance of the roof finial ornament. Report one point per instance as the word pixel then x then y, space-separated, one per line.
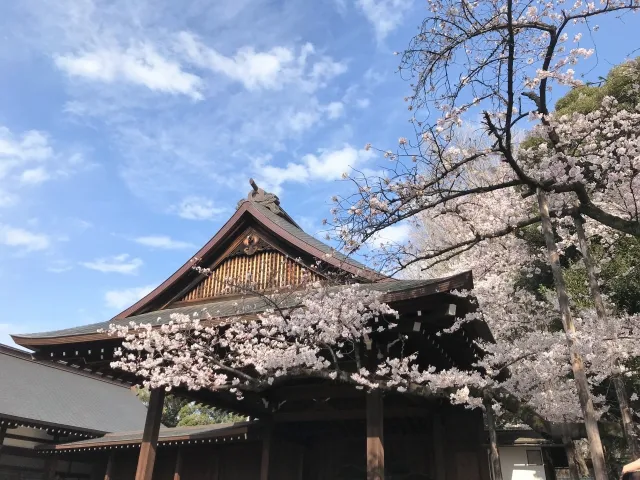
pixel 266 199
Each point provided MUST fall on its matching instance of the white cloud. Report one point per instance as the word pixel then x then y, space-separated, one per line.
pixel 34 176
pixel 269 70
pixel 121 299
pixel 395 234
pixel 23 239
pixel 122 263
pixel 335 110
pixel 384 15
pixel 16 151
pixel 140 65
pixel 29 159
pixel 363 102
pixel 326 165
pixel 198 208
pixel 163 241
pixel 331 164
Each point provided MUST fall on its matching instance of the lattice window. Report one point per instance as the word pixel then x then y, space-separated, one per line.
pixel 264 270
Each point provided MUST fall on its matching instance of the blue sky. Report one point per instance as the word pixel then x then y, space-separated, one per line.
pixel 128 131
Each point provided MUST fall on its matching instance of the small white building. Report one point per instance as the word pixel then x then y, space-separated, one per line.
pixel 527 455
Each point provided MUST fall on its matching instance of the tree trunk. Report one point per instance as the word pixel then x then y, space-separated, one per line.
pixel 577 364
pixel 494 453
pixel 618 383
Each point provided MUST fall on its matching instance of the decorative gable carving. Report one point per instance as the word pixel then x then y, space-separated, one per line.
pixel 253 266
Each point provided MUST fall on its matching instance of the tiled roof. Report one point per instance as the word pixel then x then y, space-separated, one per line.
pixel 178 434
pixel 238 306
pixel 54 394
pixel 306 238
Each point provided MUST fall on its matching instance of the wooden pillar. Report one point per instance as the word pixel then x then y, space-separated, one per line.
pixel 266 453
pixel 438 437
pixel 51 464
pixel 375 440
pixel 108 474
pixel 3 432
pixel 147 456
pixel 549 468
pixel 301 455
pixel 215 469
pixel 177 472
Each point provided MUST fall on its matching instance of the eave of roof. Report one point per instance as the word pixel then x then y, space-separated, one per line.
pixel 167 436
pixel 396 291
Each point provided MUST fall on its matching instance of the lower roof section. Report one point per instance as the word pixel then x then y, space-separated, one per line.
pixel 55 396
pixel 223 432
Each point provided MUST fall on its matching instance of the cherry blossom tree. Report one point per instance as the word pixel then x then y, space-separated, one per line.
pixel 501 59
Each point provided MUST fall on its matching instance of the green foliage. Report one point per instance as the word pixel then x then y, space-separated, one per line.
pixel 181 412
pixel 620 83
pixel 621 275
pixel 582 99
pixel 195 414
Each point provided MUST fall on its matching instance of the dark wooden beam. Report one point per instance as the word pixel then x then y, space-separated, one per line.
pixel 3 432
pixel 355 414
pixel 108 474
pixel 438 442
pixel 177 471
pixel 375 440
pixel 313 392
pixel 147 457
pixel 266 453
pixel 51 464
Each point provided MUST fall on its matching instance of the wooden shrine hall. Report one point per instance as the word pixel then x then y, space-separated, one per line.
pixel 307 429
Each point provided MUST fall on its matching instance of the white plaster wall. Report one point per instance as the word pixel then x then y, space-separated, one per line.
pixel 513 461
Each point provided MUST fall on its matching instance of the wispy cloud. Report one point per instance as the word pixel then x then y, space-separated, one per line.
pixel 269 70
pixel 121 299
pixel 29 159
pixel 384 15
pixel 326 165
pixel 198 208
pixel 164 242
pixel 139 65
pixel 22 239
pixel 122 263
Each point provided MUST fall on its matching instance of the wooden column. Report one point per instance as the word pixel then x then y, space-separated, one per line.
pixel 108 474
pixel 147 457
pixel 375 440
pixel 177 472
pixel 51 464
pixel 266 453
pixel 3 432
pixel 438 437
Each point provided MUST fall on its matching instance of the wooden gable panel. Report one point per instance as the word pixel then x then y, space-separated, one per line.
pixel 262 271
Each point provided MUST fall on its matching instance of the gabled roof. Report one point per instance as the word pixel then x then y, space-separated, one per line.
pixel 395 291
pixel 54 395
pixel 263 209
